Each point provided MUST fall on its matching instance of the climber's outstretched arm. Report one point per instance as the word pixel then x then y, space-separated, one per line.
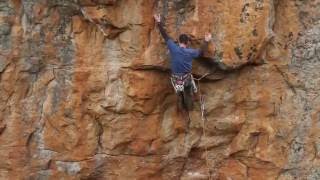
pixel 163 32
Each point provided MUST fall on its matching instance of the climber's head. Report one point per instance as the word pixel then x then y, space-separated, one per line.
pixel 184 40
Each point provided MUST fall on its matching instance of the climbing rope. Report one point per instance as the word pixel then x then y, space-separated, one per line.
pixel 203 118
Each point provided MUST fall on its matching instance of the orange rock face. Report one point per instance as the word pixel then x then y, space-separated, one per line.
pixel 85 90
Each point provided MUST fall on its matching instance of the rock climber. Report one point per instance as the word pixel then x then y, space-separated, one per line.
pixel 181 63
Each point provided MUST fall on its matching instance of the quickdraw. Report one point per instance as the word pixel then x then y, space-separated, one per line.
pixel 204 119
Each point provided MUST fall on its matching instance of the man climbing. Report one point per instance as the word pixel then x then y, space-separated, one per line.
pixel 181 64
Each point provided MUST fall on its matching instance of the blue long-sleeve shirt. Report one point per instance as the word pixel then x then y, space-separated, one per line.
pixel 181 58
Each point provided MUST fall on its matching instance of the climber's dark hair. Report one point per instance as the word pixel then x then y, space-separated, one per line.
pixel 183 38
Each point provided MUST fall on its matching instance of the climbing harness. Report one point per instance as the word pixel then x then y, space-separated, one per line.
pixel 179 82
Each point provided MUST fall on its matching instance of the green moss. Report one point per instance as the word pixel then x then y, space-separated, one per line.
pixel 238 51
pixel 218 55
pixel 254 32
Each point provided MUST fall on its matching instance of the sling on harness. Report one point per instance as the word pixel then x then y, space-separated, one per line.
pixel 180 82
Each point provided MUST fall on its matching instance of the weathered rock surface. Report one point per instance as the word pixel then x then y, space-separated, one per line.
pixel 84 90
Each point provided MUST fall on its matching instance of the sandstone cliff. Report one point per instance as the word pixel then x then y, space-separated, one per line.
pixel 84 90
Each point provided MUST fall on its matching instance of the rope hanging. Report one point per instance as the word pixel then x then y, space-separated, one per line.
pixel 204 119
